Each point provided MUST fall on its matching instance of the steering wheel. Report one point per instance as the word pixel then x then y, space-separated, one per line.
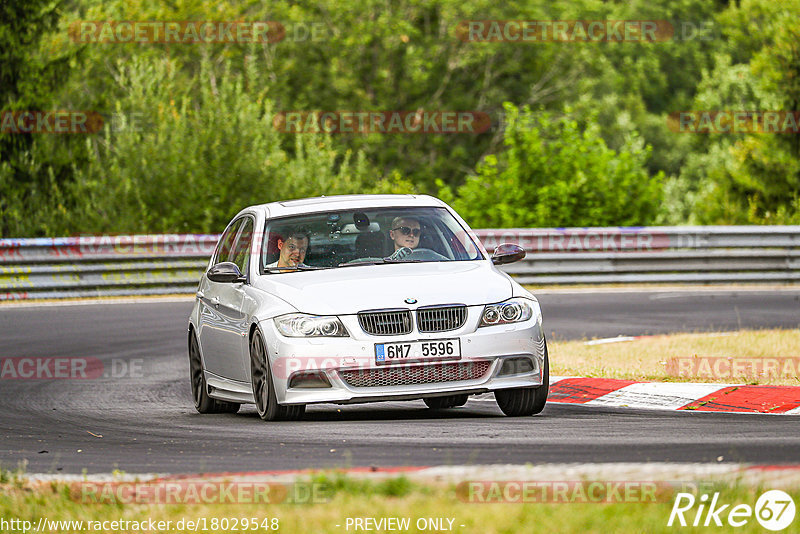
pixel 425 254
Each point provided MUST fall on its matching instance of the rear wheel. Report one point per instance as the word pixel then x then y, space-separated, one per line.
pixel 450 401
pixel 202 402
pixel 525 401
pixel 263 388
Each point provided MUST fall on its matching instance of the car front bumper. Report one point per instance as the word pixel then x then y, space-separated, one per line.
pixel 349 363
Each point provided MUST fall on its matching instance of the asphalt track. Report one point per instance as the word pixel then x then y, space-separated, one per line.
pixel 144 422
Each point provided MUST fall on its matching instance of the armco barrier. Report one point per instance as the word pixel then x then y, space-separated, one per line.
pixel 166 264
pixel 102 265
pixel 679 254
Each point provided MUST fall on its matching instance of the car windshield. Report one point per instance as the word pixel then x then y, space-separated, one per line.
pixel 337 239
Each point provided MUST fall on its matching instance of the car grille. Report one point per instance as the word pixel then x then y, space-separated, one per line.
pixel 385 323
pixel 415 374
pixel 441 319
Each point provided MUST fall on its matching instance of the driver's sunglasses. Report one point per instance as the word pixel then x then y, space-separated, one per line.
pixel 405 230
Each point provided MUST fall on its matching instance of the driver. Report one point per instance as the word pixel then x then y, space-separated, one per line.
pixel 292 250
pixel 405 234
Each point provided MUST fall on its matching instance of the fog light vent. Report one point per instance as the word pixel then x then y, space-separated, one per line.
pixel 516 366
pixel 309 379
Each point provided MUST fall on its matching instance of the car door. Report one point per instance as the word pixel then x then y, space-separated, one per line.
pixel 239 350
pixel 221 319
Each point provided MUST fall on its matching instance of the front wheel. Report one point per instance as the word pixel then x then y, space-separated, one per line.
pixel 263 388
pixel 525 401
pixel 202 402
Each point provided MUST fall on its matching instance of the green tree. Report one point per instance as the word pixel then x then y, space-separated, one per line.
pixel 749 178
pixel 33 167
pixel 553 173
pixel 194 155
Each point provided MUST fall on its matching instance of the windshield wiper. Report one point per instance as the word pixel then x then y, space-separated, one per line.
pixel 367 262
pixel 278 270
pixel 380 261
pixel 402 260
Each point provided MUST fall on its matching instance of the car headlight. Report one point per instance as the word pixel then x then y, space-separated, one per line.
pixel 513 310
pixel 304 325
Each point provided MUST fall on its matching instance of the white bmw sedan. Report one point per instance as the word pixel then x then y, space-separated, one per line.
pixel 362 298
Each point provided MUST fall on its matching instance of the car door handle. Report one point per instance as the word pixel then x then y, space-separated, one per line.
pixel 215 302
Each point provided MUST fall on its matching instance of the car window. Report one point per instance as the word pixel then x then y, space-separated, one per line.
pixel 226 242
pixel 340 238
pixel 240 253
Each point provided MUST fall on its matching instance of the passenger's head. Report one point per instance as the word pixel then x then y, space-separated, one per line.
pixel 405 232
pixel 293 249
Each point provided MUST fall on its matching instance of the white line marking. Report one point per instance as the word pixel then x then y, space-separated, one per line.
pixel 618 339
pixel 661 289
pixel 656 395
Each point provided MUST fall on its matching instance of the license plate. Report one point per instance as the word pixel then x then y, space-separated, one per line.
pixel 417 351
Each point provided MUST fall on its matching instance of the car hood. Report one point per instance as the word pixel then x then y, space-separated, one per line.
pixel 348 290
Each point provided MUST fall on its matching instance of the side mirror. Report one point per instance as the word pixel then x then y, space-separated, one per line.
pixel 226 272
pixel 507 253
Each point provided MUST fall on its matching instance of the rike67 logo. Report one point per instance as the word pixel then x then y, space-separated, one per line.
pixel 774 510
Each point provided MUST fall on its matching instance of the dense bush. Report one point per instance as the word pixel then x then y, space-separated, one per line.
pixel 196 155
pixel 553 173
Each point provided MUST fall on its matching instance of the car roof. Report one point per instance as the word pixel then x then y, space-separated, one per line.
pixel 344 202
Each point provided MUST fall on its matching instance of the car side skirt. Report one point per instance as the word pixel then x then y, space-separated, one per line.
pixel 229 390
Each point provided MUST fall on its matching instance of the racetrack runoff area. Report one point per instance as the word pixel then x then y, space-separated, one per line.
pixel 578 467
pixel 499 498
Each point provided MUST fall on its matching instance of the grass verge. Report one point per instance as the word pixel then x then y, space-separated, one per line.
pixel 428 508
pixel 747 356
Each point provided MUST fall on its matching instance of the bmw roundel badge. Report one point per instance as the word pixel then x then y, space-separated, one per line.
pixel 410 301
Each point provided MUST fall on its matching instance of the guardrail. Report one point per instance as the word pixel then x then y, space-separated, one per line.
pixel 88 266
pixel 656 254
pixel 168 264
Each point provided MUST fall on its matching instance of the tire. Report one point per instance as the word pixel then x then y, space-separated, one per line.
pixel 450 401
pixel 526 401
pixel 202 402
pixel 263 388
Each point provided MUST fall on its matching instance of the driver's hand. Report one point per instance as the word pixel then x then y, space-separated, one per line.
pixel 401 253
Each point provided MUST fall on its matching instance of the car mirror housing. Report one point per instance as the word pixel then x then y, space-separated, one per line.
pixel 507 253
pixel 225 272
